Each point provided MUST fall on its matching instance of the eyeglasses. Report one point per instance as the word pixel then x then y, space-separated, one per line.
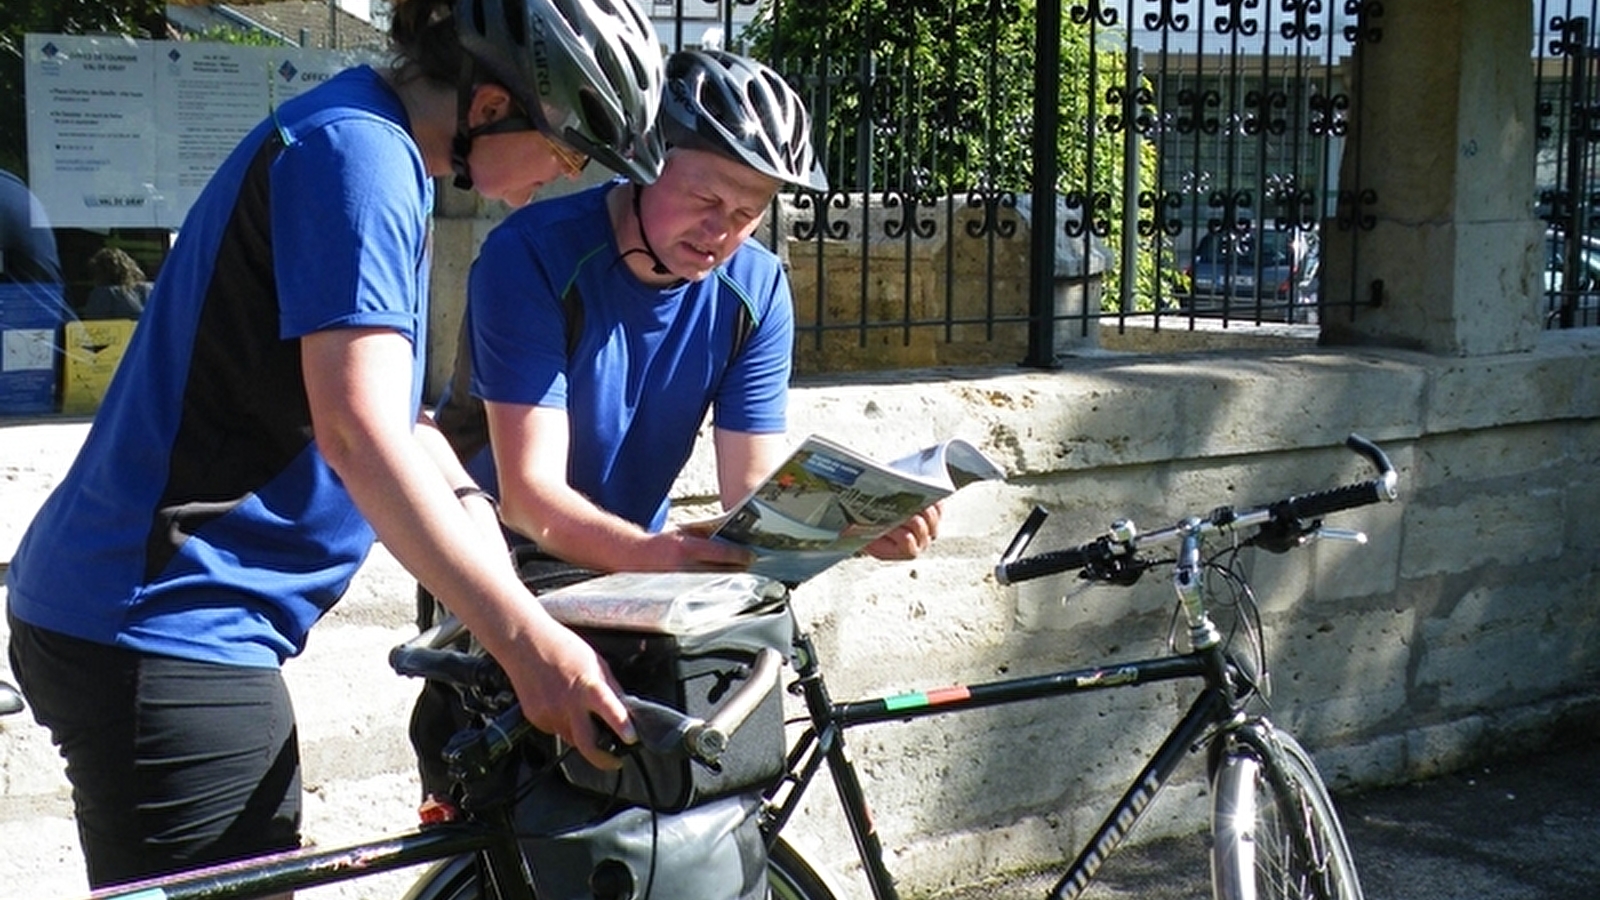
pixel 572 161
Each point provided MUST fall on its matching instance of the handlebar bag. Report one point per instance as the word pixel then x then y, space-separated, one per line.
pixel 686 640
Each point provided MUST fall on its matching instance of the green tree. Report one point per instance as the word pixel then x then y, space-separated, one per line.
pixel 937 97
pixel 135 18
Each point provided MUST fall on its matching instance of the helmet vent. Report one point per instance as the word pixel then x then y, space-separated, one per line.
pixel 517 23
pixel 573 16
pixel 598 120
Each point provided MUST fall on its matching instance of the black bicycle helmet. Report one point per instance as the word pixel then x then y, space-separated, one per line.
pixel 742 109
pixel 589 72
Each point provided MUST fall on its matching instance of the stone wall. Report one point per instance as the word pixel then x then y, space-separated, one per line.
pixel 1467 625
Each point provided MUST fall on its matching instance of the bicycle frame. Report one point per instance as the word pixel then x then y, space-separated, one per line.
pixel 264 876
pixel 1216 707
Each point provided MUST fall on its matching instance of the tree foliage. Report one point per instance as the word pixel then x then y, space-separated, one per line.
pixel 937 98
pixel 134 18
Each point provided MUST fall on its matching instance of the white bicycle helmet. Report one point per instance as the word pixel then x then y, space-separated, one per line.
pixel 589 72
pixel 742 109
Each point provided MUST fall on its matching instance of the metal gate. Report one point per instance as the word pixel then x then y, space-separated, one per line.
pixel 1567 83
pixel 997 197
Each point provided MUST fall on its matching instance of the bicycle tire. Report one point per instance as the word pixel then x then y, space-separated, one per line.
pixel 1275 833
pixel 788 874
pixel 791 877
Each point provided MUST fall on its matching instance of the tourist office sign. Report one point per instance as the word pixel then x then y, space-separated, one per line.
pixel 125 132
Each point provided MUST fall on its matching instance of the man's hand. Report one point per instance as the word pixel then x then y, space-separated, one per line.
pixel 686 549
pixel 909 540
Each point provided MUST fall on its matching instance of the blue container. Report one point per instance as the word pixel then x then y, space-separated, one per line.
pixel 31 316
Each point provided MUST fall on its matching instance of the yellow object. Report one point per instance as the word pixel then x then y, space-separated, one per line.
pixel 93 350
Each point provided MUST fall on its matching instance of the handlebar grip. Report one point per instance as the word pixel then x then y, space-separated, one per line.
pixel 1050 562
pixel 1321 503
pixel 463 670
pixel 1380 489
pixel 707 742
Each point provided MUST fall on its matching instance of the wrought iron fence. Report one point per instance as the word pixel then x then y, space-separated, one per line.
pixel 1165 163
pixel 1567 86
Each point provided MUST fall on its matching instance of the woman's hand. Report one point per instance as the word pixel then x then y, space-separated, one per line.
pixel 565 687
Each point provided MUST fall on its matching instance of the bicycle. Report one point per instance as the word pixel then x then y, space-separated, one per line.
pixel 1274 829
pixel 1275 832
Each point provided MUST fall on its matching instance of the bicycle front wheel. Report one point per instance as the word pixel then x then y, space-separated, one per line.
pixel 1275 835
pixel 789 876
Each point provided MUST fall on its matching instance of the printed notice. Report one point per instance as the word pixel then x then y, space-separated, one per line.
pixel 90 123
pixel 125 132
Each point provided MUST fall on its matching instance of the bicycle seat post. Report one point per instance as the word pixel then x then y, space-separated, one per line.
pixel 1187 575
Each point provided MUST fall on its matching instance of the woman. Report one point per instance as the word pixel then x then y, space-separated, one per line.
pixel 120 288
pixel 265 427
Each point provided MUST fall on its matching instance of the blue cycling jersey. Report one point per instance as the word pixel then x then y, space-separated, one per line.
pixel 647 363
pixel 199 519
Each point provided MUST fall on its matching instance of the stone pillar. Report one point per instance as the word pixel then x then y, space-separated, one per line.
pixel 1443 134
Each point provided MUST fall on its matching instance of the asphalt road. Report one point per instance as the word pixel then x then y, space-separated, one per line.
pixel 1517 829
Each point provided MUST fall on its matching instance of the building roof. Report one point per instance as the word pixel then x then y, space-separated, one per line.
pixel 303 23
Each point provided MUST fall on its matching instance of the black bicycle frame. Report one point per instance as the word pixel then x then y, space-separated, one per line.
pixel 282 872
pixel 824 742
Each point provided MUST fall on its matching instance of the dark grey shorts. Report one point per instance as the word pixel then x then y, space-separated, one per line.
pixel 174 764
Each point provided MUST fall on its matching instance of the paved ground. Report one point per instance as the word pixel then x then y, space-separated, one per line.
pixel 1520 829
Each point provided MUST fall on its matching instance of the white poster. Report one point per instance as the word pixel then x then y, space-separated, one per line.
pixel 125 132
pixel 214 94
pixel 91 112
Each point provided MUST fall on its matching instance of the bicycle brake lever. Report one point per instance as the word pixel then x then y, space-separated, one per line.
pixel 1118 569
pixel 1282 535
pixel 1342 534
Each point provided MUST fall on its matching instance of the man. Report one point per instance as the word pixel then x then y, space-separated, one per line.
pixel 602 326
pixel 606 324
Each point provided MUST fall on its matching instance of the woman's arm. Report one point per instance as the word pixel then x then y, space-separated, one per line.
pixel 365 429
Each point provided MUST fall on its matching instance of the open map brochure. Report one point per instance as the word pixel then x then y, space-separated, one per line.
pixel 825 502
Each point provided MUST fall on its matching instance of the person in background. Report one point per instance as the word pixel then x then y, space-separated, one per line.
pixel 27 243
pixel 120 286
pixel 266 426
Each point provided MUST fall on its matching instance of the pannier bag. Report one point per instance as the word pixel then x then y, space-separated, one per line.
pixel 578 848
pixel 687 640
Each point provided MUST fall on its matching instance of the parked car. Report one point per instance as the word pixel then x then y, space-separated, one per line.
pixel 1239 273
pixel 1586 287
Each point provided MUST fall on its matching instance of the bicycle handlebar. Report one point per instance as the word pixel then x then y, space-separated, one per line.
pixel 1110 555
pixel 660 728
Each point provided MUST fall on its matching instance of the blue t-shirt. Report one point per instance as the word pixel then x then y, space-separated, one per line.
pixel 199 519
pixel 647 363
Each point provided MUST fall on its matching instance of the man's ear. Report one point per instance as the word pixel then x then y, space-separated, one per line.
pixel 490 104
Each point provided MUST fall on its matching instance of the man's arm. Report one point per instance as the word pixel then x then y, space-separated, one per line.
pixel 365 429
pixel 743 460
pixel 530 453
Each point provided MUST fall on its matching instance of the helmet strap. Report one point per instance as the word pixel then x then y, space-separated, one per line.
pixel 461 144
pixel 660 267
